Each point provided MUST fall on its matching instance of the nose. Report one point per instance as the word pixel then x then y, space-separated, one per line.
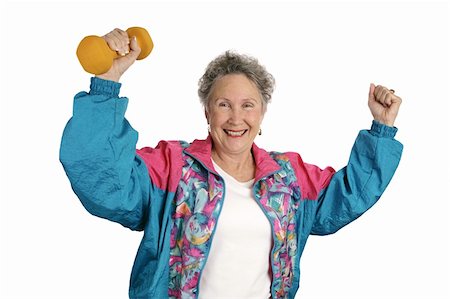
pixel 236 116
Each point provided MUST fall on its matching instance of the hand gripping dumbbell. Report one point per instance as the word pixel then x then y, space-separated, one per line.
pixel 96 57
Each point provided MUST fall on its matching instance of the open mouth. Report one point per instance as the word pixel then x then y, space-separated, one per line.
pixel 235 133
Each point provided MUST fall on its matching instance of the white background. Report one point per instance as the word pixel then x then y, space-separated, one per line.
pixel 323 55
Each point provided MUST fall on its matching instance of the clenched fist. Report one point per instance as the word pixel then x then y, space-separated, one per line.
pixel 127 47
pixel 383 104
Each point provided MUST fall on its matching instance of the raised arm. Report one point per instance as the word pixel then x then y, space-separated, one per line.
pixel 98 147
pixel 345 195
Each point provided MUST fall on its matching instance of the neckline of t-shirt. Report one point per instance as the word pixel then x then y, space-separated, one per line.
pixel 247 184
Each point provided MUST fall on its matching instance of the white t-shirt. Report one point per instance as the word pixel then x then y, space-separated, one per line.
pixel 238 264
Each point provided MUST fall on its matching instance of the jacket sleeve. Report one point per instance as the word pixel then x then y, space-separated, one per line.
pixel 348 193
pixel 98 153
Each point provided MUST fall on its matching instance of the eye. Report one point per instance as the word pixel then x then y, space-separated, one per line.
pixel 248 105
pixel 224 104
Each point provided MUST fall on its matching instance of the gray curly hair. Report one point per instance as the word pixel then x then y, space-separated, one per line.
pixel 234 63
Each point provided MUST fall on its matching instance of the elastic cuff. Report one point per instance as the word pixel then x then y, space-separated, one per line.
pixel 381 130
pixel 104 87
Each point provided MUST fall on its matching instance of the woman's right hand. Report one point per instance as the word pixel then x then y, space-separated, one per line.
pixel 125 46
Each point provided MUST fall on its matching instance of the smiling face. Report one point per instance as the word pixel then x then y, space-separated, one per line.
pixel 235 112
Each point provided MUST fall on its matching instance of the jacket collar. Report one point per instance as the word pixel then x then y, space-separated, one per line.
pixel 201 150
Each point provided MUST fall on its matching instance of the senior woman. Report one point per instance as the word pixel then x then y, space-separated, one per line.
pixel 221 217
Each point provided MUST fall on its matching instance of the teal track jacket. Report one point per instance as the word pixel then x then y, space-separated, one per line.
pixel 173 193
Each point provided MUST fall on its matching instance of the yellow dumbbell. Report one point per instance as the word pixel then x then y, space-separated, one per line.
pixel 96 57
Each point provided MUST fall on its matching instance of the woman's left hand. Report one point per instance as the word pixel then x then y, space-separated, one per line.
pixel 383 104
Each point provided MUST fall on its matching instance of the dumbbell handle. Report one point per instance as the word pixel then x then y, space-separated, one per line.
pixel 96 57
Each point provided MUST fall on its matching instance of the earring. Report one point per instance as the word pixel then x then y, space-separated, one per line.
pixel 260 132
pixel 209 128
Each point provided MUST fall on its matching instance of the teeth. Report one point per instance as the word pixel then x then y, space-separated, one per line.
pixel 235 133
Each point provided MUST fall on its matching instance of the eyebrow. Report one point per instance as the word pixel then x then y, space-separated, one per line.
pixel 228 100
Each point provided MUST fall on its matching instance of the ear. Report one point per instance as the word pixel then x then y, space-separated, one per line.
pixel 263 114
pixel 207 115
